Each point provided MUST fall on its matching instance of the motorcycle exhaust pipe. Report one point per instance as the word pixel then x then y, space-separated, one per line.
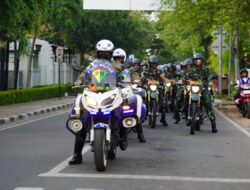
pixel 129 122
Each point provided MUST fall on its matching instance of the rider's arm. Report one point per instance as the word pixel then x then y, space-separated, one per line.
pixel 163 78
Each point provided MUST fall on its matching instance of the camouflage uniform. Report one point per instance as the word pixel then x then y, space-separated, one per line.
pixel 204 75
pixel 150 74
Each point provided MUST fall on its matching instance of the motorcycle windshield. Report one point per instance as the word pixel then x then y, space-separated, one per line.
pixel 102 74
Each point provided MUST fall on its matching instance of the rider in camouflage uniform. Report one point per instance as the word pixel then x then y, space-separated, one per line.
pixel 152 73
pixel 185 66
pixel 200 72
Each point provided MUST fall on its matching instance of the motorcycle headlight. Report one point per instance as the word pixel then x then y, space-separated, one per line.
pixel 195 89
pixel 188 87
pixel 91 101
pixel 168 84
pixel 153 87
pixel 108 101
pixel 134 86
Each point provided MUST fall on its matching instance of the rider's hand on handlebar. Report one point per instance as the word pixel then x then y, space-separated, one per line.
pixel 78 83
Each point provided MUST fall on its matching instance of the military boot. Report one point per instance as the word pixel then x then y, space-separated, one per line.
pixel 177 117
pixel 163 119
pixel 77 157
pixel 214 130
pixel 140 133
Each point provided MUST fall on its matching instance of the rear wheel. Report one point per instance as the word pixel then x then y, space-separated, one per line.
pixel 100 150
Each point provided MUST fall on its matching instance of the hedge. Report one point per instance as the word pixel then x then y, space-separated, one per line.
pixel 32 94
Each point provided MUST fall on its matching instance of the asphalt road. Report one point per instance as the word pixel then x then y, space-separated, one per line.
pixel 34 156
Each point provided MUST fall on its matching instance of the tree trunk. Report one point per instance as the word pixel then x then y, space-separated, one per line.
pixel 7 50
pixel 16 63
pixel 30 63
pixel 2 65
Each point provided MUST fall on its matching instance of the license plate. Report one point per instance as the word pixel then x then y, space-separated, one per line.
pixel 100 126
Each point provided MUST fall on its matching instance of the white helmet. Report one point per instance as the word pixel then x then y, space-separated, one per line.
pixel 119 52
pixel 104 45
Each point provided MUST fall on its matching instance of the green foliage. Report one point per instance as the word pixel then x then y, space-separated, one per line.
pixel 129 30
pixel 32 94
pixel 189 27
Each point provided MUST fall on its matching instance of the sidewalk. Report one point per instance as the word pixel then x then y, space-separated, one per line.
pixel 16 112
pixel 223 102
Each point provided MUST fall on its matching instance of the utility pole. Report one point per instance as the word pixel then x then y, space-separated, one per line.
pixel 220 61
pixel 236 51
pixel 230 61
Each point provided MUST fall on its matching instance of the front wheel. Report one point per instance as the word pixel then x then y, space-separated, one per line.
pixel 193 121
pixel 248 110
pixel 100 150
pixel 154 111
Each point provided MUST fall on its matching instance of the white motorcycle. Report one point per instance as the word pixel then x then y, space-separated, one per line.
pixel 103 112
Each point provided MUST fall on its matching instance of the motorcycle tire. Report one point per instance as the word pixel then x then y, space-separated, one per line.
pixel 154 110
pixel 248 110
pixel 193 121
pixel 100 150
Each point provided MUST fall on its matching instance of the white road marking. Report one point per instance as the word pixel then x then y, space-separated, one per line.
pixel 55 172
pixel 5 128
pixel 27 188
pixel 233 123
pixel 152 177
pixel 88 189
pixel 63 164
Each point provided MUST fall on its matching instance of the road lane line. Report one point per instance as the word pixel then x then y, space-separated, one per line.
pixel 10 127
pixel 89 189
pixel 152 177
pixel 233 123
pixel 63 164
pixel 28 188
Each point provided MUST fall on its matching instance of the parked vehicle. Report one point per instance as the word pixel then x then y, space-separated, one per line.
pixel 245 100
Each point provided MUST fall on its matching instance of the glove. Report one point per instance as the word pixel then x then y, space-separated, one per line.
pixel 78 83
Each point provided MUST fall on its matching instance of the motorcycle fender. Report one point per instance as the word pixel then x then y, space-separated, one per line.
pixel 108 134
pixel 154 95
pixel 101 126
pixel 195 97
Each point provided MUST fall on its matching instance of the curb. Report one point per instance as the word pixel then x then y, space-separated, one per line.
pixel 33 113
pixel 223 102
